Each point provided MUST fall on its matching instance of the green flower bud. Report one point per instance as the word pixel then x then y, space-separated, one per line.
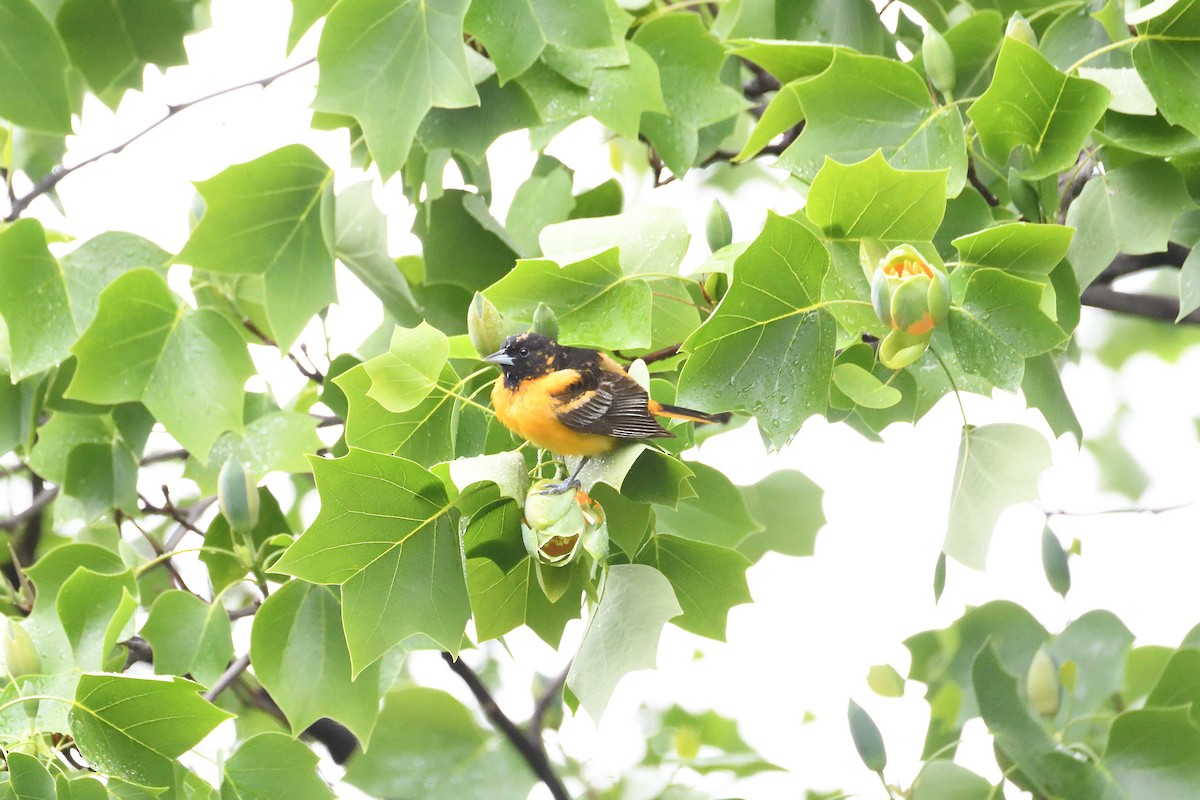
pixel 1020 29
pixel 557 526
pixel 16 646
pixel 909 294
pixel 899 349
pixel 485 326
pixel 1042 685
pixel 545 321
pixel 939 60
pixel 719 230
pixel 237 495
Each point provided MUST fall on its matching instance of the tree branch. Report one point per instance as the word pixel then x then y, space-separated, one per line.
pixel 41 499
pixel 228 677
pixel 47 183
pixel 1150 306
pixel 531 751
pixel 552 695
pixel 1124 264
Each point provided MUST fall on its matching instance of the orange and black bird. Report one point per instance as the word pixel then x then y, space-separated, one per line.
pixel 575 402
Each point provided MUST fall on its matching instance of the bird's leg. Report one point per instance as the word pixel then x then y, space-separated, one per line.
pixel 570 483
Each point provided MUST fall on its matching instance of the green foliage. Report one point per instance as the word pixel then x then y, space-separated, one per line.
pixel 1029 155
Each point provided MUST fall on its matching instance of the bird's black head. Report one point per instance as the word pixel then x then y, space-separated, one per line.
pixel 525 355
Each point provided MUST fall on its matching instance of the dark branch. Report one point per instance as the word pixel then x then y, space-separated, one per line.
pixel 980 186
pixel 657 355
pixel 552 695
pixel 47 183
pixel 1123 264
pixel 531 751
pixel 41 499
pixel 1150 306
pixel 228 677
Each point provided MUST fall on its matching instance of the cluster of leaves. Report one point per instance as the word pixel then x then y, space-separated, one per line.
pixel 1042 152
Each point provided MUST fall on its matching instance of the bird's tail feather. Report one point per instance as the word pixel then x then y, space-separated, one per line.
pixel 678 412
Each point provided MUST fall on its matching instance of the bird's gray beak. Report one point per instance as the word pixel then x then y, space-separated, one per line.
pixel 499 357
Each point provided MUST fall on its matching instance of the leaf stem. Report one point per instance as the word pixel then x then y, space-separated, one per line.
pixel 953 385
pixel 1099 51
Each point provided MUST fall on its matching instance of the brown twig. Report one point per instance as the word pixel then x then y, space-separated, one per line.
pixel 230 675
pixel 531 751
pixel 47 183
pixel 650 358
pixel 1150 306
pixel 552 695
pixel 980 186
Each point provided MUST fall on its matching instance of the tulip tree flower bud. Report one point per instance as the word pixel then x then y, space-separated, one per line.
pixel 237 495
pixel 1042 685
pixel 485 326
pixel 1020 29
pixel 545 321
pixel 557 526
pixel 939 60
pixel 20 657
pixel 911 297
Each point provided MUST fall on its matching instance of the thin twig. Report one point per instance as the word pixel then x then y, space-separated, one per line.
pixel 980 186
pixel 228 677
pixel 48 182
pixel 40 501
pixel 193 513
pixel 657 355
pixel 532 752
pixel 1111 511
pixel 552 695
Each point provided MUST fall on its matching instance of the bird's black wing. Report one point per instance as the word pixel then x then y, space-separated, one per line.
pixel 614 405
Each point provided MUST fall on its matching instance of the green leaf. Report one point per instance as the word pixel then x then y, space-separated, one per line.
pixel 787 61
pixel 768 348
pixel 708 580
pixel 507 471
pixel 885 681
pixel 35 93
pixel 142 346
pixel 268 217
pixel 189 636
pixel 1167 56
pixel 863 388
pixel 861 104
pixel 405 375
pixel 1053 769
pixel 595 301
pixel 998 466
pixel 999 325
pixel 134 728
pixel 716 515
pixel 1043 390
pixel 1129 93
pixel 623 633
pixel 462 243
pixel 650 240
pixel 1129 210
pixel 301 623
pixel 94 608
pixel 423 434
pixel 867 739
pixel 503 600
pixel 273 765
pixel 689 62
pixel 226 569
pixel 1154 753
pixel 387 63
pixel 470 131
pixel 544 199
pixel 384 534
pixel 516 33
pixel 1098 644
pixel 28 779
pixel 1033 106
pixel 33 299
pixel 873 199
pixel 111 43
pixel 1022 248
pixel 430 747
pixel 305 14
pixel 854 23
pixel 943 779
pixel 361 244
pixel 787 504
pixel 975 42
pixel 275 441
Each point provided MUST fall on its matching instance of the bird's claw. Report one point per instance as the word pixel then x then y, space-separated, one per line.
pixel 562 488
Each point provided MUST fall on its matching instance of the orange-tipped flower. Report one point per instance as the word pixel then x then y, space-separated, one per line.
pixel 911 297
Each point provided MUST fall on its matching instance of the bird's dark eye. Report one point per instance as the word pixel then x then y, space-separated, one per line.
pixel 524 351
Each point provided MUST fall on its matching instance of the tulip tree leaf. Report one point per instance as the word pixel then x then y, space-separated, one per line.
pixel 94 607
pixel 999 325
pixel 144 347
pixel 506 599
pixel 708 580
pixel 34 300
pixel 387 63
pixel 1022 248
pixel 1033 106
pixel 516 33
pixel 111 43
pixel 405 375
pixel 768 348
pixel 301 623
pixel 272 765
pixel 269 217
pixel 648 240
pixel 1153 752
pixel 689 62
pixel 998 466
pixel 134 728
pixel 623 633
pixel 278 440
pixel 384 533
pixel 34 93
pixel 595 302
pixel 361 245
pixel 788 506
pixel 1126 210
pixel 189 636
pixel 873 199
pixel 1167 56
pixel 861 104
pixel 28 779
pixel 943 778
pixel 429 746
pixel 422 434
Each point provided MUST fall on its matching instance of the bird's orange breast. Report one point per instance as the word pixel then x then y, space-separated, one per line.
pixel 531 412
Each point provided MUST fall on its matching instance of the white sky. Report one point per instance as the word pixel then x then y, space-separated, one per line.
pixel 817 624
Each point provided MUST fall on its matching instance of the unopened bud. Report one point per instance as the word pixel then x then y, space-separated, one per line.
pixel 237 495
pixel 545 321
pixel 485 326
pixel 939 60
